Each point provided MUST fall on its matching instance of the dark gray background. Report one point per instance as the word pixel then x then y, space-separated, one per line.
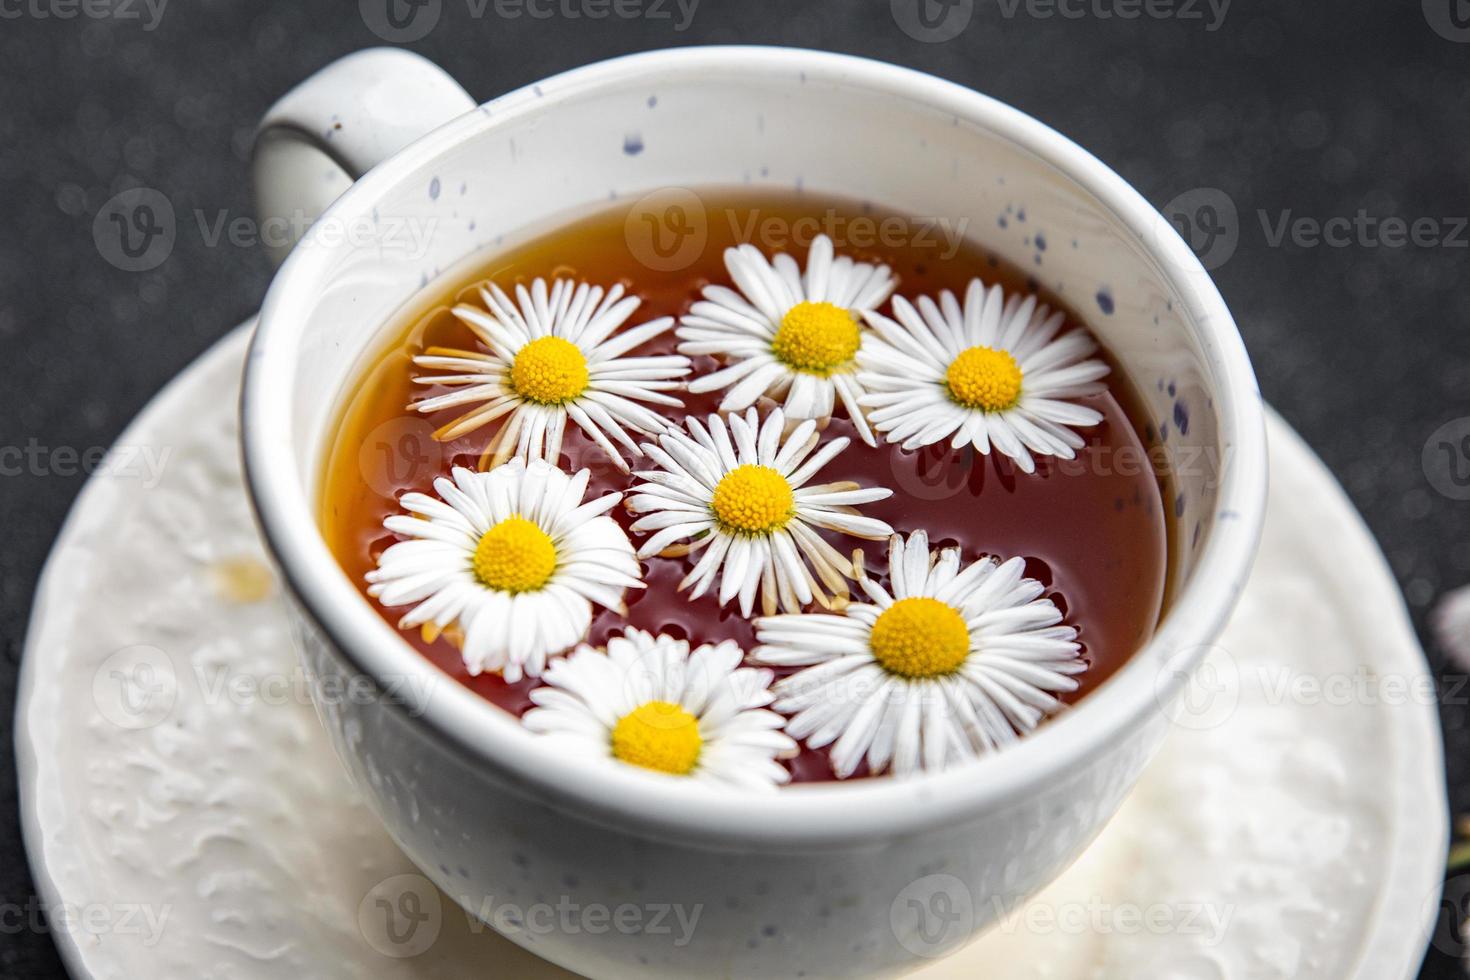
pixel 1319 109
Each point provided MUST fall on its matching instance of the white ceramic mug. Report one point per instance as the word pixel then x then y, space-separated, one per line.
pixel 818 880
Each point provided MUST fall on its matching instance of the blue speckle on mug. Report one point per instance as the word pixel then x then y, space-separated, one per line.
pixel 1002 221
pixel 633 144
pixel 1181 418
pixel 1040 242
pixel 1179 506
pixel 434 189
pixel 652 101
pixel 1105 301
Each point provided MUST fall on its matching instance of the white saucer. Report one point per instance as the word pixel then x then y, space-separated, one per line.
pixel 186 818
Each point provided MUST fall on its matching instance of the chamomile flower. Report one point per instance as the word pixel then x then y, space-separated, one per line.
pixel 740 496
pixel 994 373
pixel 786 333
pixel 650 701
pixel 954 662
pixel 511 559
pixel 554 355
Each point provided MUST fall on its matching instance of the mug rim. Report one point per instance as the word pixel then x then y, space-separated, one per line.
pixel 484 736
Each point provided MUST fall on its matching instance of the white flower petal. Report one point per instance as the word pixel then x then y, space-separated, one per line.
pixel 515 633
pixel 583 315
pixel 589 692
pixel 1019 659
pixel 903 373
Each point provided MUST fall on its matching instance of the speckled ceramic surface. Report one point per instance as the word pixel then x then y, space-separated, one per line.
pixel 440 770
pixel 182 803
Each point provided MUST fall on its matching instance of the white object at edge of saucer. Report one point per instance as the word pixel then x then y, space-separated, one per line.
pixel 185 816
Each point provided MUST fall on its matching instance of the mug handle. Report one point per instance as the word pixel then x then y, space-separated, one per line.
pixel 336 126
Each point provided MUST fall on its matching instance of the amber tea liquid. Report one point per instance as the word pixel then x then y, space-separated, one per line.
pixel 1093 530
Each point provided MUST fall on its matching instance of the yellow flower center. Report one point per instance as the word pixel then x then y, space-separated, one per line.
pixel 816 338
pixel 984 378
pixel 920 638
pixel 754 499
pixel 549 370
pixel 515 556
pixel 658 735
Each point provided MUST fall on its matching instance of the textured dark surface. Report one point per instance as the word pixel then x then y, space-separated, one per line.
pixel 1320 110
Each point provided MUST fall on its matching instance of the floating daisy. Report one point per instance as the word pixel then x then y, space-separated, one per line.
pixel 554 355
pixel 787 334
pixel 740 496
pixel 994 373
pixel 511 559
pixel 651 702
pixel 955 662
